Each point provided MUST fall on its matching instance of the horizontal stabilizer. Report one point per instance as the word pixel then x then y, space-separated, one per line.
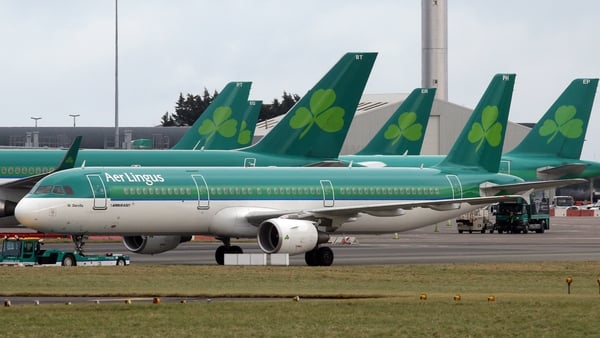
pixel 520 188
pixel 567 170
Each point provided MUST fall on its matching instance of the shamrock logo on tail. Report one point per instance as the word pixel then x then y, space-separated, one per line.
pixel 564 123
pixel 489 129
pixel 220 123
pixel 329 119
pixel 244 135
pixel 406 127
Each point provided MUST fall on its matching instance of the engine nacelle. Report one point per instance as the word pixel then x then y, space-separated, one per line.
pixel 279 235
pixel 150 245
pixel 7 208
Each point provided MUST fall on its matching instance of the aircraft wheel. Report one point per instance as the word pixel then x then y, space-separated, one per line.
pixel 325 256
pixel 220 255
pixel 69 260
pixel 311 257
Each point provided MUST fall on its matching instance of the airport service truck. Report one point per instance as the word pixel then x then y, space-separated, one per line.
pixel 478 220
pixel 522 217
pixel 29 252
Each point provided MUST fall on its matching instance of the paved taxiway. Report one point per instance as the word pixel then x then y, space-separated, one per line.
pixel 569 239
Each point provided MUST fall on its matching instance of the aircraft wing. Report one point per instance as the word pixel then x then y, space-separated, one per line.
pixel 67 162
pixel 380 210
pixel 524 187
pixel 572 169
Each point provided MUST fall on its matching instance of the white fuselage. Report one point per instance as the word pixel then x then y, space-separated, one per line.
pixel 159 217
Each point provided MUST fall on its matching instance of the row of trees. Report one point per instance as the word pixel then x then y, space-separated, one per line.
pixel 190 107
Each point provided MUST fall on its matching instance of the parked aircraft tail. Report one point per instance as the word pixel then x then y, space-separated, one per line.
pixel 561 131
pixel 404 132
pixel 317 125
pixel 219 125
pixel 479 146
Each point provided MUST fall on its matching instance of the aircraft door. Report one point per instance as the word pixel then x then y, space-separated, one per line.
pixel 455 185
pixel 202 189
pixel 99 191
pixel 328 196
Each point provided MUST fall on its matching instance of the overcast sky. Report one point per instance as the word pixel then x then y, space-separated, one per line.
pixel 57 57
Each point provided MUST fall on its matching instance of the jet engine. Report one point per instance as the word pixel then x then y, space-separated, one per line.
pixel 150 245
pixel 279 235
pixel 7 208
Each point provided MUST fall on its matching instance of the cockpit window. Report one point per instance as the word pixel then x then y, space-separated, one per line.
pixel 58 189
pixel 43 189
pixel 55 189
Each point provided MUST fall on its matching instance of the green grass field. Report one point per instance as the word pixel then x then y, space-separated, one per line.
pixel 531 300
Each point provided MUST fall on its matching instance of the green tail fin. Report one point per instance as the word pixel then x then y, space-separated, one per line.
pixel 317 125
pixel 245 130
pixel 68 161
pixel 561 131
pixel 219 124
pixel 404 132
pixel 479 146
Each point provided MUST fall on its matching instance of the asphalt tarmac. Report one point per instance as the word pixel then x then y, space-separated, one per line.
pixel 569 239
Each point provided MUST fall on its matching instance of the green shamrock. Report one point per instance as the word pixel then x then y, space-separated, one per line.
pixel 220 123
pixel 564 123
pixel 329 119
pixel 244 135
pixel 406 127
pixel 489 129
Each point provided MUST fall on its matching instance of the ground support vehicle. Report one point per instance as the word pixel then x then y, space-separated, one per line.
pixel 479 220
pixel 522 217
pixel 29 252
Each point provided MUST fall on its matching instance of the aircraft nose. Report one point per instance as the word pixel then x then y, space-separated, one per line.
pixel 27 213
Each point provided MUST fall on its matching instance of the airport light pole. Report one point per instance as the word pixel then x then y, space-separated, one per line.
pixel 74 116
pixel 117 74
pixel 36 120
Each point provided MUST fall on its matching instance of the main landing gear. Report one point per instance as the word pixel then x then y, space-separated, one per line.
pixel 226 248
pixel 319 256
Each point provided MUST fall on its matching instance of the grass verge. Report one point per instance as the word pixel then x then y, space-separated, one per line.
pixel 530 300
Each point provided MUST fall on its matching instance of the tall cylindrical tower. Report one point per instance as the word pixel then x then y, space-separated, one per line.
pixel 434 41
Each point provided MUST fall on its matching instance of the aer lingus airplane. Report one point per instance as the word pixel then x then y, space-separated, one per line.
pixel 229 105
pixel 289 209
pixel 404 131
pixel 551 149
pixel 313 131
pixel 227 123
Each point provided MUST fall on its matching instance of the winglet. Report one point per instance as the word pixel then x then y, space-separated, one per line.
pixel 561 131
pixel 220 121
pixel 479 146
pixel 68 161
pixel 404 131
pixel 317 125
